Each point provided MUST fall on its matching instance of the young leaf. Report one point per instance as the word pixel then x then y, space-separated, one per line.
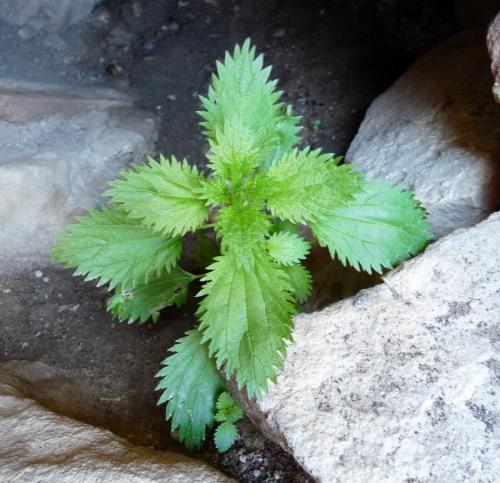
pixel 190 383
pixel 109 246
pixel 215 191
pixel 163 195
pixel 145 300
pixel 287 248
pixel 286 137
pixel 235 151
pixel 225 436
pixel 242 99
pixel 242 228
pixel 227 409
pixel 301 281
pixel 247 317
pixel 381 226
pixel 306 184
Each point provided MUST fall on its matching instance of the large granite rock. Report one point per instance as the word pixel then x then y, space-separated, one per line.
pixel 40 446
pixel 49 15
pixel 436 131
pixel 58 148
pixel 401 382
pixel 493 41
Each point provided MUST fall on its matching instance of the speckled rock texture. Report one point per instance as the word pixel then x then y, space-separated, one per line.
pixel 59 146
pixel 49 15
pixel 493 40
pixel 436 131
pixel 40 446
pixel 401 382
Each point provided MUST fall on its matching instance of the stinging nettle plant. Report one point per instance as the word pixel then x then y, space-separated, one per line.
pixel 260 192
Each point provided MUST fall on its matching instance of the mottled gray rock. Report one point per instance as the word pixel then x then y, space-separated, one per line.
pixel 49 15
pixel 40 446
pixel 493 41
pixel 402 381
pixel 58 148
pixel 436 131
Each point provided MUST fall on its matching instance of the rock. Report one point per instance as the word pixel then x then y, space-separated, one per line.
pixel 435 132
pixel 493 41
pixel 49 15
pixel 401 381
pixel 38 445
pixel 59 146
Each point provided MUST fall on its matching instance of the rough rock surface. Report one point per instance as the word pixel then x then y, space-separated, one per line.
pixel 58 148
pixel 493 40
pixel 400 382
pixel 436 131
pixel 38 445
pixel 49 15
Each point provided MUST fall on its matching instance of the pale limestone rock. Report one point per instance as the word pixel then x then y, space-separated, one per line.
pixel 436 131
pixel 40 446
pixel 402 381
pixel 49 15
pixel 59 146
pixel 493 41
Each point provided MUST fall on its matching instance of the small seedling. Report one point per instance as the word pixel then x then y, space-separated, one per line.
pixel 228 413
pixel 259 194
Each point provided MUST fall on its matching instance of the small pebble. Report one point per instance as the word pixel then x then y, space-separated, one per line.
pixel 279 33
pixel 171 27
pixel 136 9
pixel 101 16
pixel 24 345
pixel 256 473
pixel 243 459
pixel 38 274
pixel 113 69
pixel 172 97
pixel 148 45
pixel 45 279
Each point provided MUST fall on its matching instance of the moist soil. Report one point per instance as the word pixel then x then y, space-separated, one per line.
pixel 332 58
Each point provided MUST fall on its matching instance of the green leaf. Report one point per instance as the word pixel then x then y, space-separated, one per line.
pixel 109 246
pixel 235 151
pixel 286 137
pixel 300 280
pixel 247 317
pixel 190 383
pixel 225 436
pixel 287 248
pixel 215 191
pixel 242 112
pixel 145 300
pixel 381 226
pixel 163 195
pixel 227 409
pixel 304 185
pixel 242 228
